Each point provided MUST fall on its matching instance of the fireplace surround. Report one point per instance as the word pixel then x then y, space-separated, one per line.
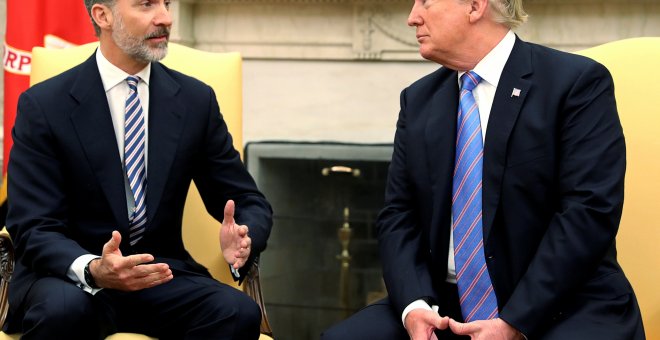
pixel 321 264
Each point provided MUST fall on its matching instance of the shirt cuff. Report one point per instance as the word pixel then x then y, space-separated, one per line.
pixel 234 272
pixel 76 273
pixel 415 305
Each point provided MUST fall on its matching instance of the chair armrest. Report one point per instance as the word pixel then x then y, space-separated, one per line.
pixel 6 271
pixel 253 289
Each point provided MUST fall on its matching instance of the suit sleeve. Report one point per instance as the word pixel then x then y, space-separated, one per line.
pixel 405 265
pixel 590 174
pixel 223 177
pixel 38 207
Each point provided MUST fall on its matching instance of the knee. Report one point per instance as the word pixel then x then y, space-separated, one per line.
pixel 344 330
pixel 336 332
pixel 229 314
pixel 248 315
pixel 60 310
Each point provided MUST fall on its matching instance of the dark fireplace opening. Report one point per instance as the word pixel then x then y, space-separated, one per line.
pixel 322 262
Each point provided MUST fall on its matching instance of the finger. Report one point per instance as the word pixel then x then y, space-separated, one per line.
pixel 242 230
pixel 161 269
pixel 242 254
pixel 138 259
pixel 239 263
pixel 165 279
pixel 442 323
pixel 156 278
pixel 459 328
pixel 229 213
pixel 420 333
pixel 113 244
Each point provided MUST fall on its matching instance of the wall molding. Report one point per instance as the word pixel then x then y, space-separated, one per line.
pixel 376 29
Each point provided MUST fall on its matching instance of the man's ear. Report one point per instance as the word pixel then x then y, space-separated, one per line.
pixel 102 16
pixel 478 9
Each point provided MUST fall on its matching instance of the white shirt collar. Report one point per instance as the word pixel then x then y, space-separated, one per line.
pixel 112 75
pixel 491 66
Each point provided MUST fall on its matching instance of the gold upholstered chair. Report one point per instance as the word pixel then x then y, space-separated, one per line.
pixel 635 67
pixel 223 72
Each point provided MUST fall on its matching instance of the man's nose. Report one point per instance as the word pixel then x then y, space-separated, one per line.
pixel 414 18
pixel 163 17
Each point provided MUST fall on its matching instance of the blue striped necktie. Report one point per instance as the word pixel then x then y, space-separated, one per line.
pixel 134 140
pixel 477 298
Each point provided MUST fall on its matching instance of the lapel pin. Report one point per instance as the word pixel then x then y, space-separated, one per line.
pixel 515 93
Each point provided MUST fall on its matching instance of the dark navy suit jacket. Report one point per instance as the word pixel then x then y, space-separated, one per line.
pixel 66 182
pixel 554 165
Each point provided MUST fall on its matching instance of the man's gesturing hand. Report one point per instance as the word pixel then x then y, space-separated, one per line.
pixel 127 273
pixel 234 239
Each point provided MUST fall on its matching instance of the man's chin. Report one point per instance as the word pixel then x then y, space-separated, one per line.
pixel 159 52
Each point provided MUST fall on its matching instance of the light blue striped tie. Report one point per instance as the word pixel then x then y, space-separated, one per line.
pixel 134 141
pixel 477 298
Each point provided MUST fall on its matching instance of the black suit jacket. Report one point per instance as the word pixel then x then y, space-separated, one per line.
pixel 66 182
pixel 554 165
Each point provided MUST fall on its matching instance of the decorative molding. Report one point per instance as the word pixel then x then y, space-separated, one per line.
pixel 583 2
pixel 377 29
pixel 352 2
pixel 301 29
pixel 380 30
pixel 349 2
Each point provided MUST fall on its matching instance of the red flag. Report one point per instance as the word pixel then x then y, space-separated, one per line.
pixel 31 23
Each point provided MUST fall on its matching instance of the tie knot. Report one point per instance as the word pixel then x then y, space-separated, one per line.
pixel 469 80
pixel 132 82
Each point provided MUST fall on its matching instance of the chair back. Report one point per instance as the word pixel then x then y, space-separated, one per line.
pixel 221 71
pixel 634 64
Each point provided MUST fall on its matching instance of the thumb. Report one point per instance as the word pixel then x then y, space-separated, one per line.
pixel 441 323
pixel 113 244
pixel 459 328
pixel 229 213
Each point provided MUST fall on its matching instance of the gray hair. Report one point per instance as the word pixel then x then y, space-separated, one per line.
pixel 508 12
pixel 88 6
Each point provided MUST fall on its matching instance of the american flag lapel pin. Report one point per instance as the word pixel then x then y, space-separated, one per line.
pixel 516 92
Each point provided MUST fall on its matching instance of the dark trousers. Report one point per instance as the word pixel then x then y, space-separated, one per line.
pixel 188 307
pixel 380 321
pixel 586 318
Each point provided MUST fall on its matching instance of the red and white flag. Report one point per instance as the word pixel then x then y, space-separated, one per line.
pixel 30 23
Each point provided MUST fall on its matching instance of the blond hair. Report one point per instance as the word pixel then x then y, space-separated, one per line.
pixel 508 12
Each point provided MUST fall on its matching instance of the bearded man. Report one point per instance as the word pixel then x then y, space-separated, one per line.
pixel 102 160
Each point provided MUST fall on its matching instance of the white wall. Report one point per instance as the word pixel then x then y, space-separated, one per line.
pixel 325 100
pixel 333 69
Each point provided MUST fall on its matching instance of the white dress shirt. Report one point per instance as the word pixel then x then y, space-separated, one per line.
pixel 489 69
pixel 116 91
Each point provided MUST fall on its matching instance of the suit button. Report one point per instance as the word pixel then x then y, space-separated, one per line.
pixel 490 257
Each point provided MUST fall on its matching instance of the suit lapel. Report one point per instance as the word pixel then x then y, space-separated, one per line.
pixel 92 123
pixel 509 98
pixel 440 137
pixel 165 127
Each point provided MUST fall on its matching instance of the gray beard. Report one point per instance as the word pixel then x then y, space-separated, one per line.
pixel 137 47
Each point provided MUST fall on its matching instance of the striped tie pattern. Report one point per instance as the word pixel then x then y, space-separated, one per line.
pixel 477 298
pixel 134 163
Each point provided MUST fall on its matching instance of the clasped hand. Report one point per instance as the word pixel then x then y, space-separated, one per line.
pixel 234 239
pixel 421 324
pixel 127 273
